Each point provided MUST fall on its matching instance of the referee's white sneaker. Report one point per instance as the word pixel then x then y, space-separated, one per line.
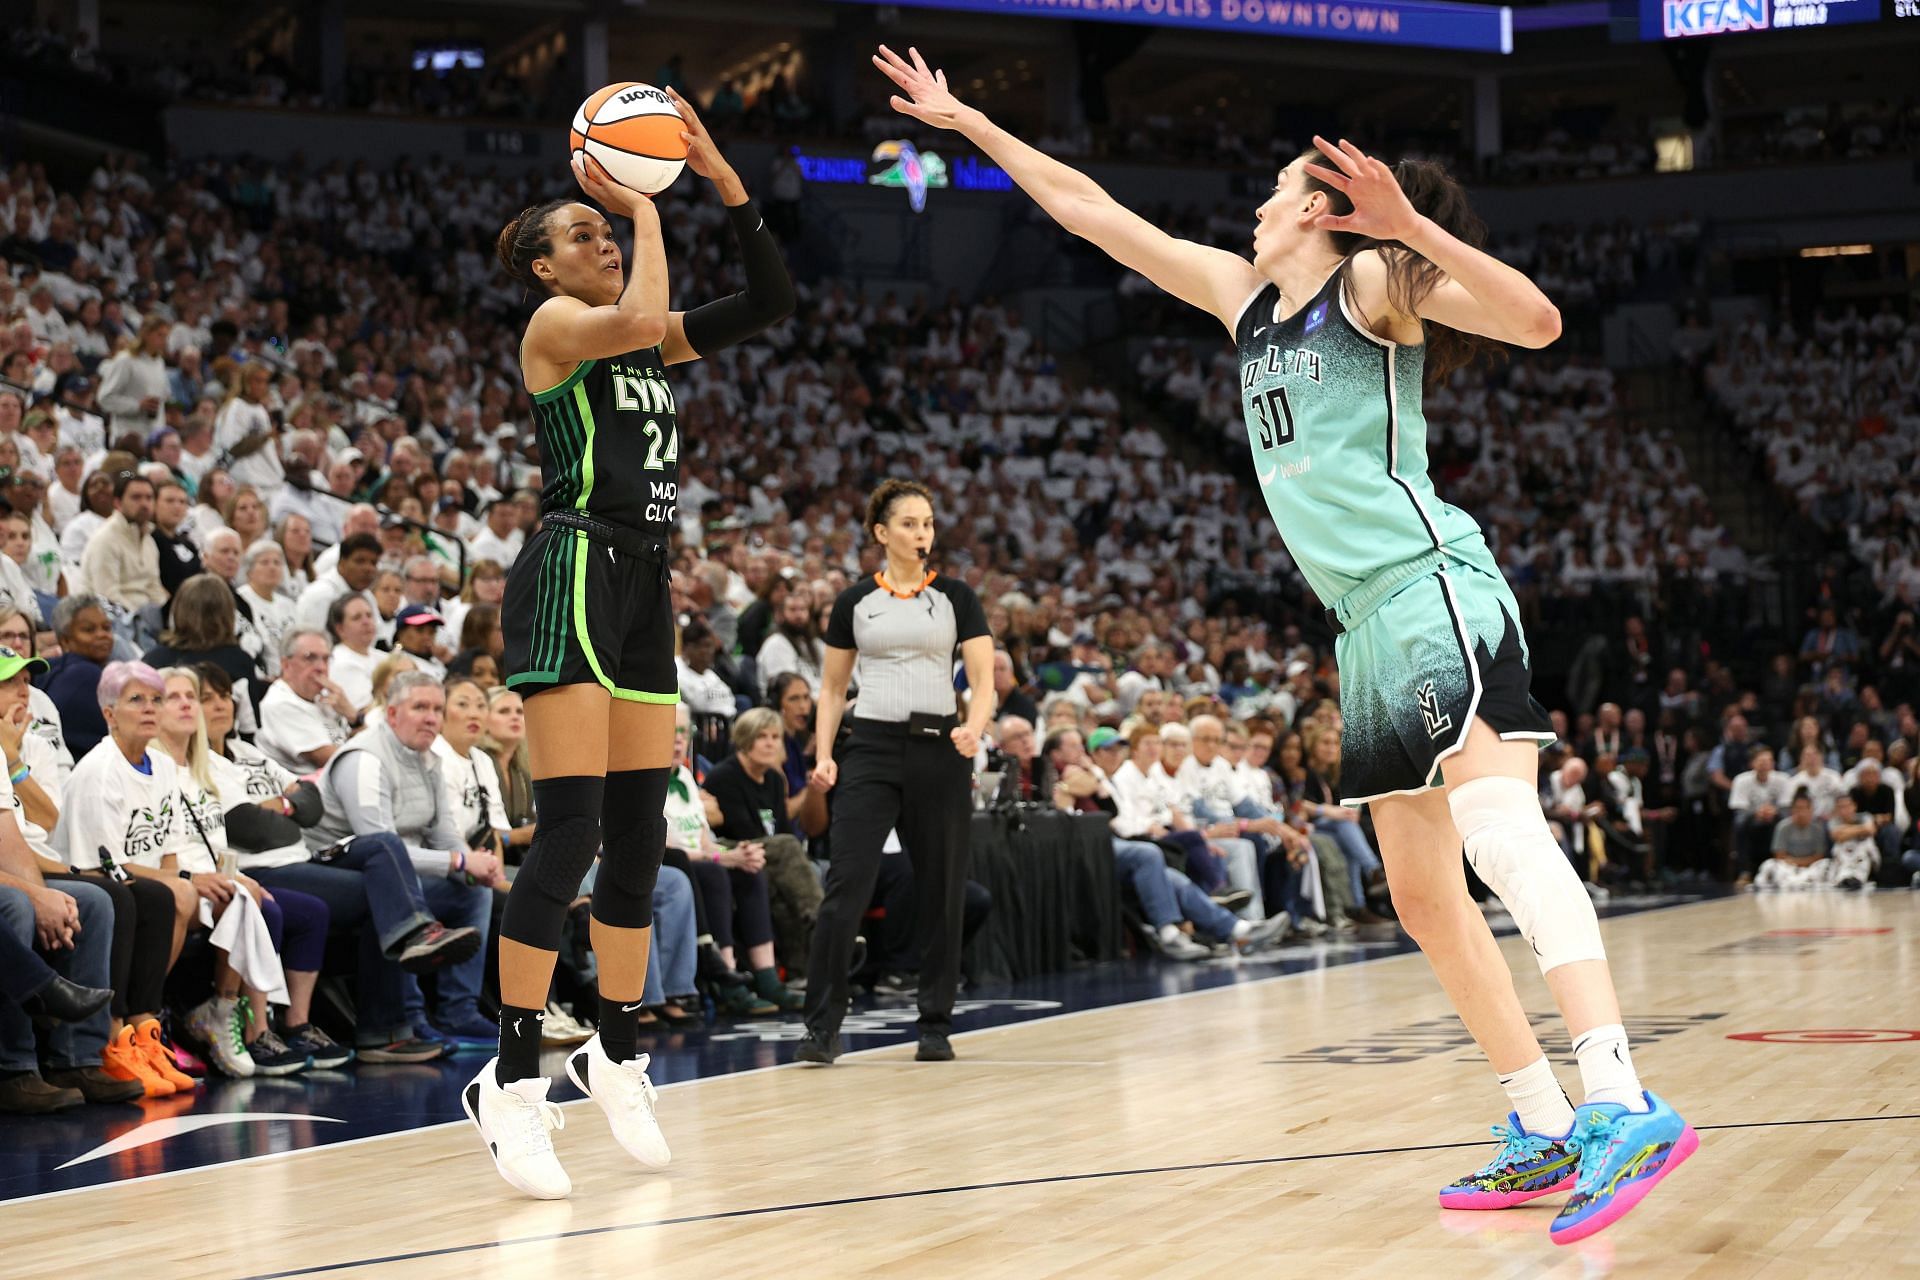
pixel 626 1095
pixel 517 1123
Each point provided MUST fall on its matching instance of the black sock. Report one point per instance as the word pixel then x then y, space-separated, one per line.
pixel 519 1044
pixel 620 1029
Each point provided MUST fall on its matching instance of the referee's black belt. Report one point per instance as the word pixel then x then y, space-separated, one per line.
pixel 919 726
pixel 630 542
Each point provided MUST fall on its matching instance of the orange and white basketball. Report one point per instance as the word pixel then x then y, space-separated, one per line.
pixel 633 131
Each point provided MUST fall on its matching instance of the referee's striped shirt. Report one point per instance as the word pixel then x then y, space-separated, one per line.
pixel 905 645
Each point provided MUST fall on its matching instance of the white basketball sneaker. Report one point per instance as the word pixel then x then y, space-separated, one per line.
pixel 517 1123
pixel 626 1095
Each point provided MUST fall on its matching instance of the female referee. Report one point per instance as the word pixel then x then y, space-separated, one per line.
pixel 909 763
pixel 1363 279
pixel 589 631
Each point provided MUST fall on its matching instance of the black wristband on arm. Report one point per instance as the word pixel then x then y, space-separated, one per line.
pixel 767 299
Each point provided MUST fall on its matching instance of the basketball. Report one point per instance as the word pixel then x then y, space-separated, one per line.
pixel 633 130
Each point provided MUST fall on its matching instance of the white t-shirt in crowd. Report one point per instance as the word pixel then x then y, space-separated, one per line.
pixel 704 693
pixel 686 814
pixel 290 726
pixel 37 755
pixel 353 672
pixel 472 790
pixel 249 778
pixel 45 725
pixel 135 815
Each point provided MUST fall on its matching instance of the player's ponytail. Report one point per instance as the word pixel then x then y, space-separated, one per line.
pixel 1436 194
pixel 525 238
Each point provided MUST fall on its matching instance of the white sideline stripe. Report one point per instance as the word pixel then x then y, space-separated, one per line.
pixel 798 1066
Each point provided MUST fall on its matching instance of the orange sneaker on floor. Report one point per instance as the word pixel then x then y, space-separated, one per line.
pixel 147 1037
pixel 124 1058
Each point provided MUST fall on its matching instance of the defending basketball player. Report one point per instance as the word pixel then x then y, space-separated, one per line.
pixel 589 630
pixel 1365 280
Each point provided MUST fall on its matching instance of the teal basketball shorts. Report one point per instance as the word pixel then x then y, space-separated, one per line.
pixel 1440 651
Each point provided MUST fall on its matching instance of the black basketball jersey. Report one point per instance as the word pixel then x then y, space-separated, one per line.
pixel 610 443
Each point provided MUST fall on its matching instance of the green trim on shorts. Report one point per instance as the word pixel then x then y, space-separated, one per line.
pixel 572 380
pixel 593 659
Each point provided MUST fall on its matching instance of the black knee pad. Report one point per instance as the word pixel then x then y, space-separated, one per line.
pixel 565 839
pixel 635 832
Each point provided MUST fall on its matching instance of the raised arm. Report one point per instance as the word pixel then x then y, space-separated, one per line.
pixel 566 330
pixel 1480 294
pixel 1211 279
pixel 768 297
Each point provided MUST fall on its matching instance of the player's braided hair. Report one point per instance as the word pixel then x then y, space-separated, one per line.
pixel 525 238
pixel 880 505
pixel 1434 192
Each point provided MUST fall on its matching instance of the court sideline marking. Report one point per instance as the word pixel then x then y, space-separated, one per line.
pixel 783 1066
pixel 928 1192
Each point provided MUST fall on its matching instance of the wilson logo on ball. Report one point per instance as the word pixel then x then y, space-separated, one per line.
pixel 633 132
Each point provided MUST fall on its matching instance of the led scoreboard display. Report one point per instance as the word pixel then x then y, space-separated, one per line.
pixel 1682 19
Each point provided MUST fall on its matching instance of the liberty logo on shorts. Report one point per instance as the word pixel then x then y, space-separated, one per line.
pixel 1438 722
pixel 1316 317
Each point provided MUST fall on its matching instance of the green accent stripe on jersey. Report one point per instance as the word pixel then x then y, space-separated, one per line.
pixel 586 449
pixel 593 659
pixel 555 392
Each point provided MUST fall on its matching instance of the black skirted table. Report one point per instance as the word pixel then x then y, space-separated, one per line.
pixel 1055 896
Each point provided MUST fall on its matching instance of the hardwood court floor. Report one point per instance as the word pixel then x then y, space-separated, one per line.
pixel 1298 1126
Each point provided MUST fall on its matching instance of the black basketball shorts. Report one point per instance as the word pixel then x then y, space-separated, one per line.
pixel 578 611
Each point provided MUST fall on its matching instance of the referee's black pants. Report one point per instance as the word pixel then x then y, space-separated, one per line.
pixel 923 788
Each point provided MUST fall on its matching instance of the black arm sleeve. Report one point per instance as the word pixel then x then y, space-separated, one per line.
pixel 767 299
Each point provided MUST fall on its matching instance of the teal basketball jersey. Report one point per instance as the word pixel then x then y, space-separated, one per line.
pixel 1340 443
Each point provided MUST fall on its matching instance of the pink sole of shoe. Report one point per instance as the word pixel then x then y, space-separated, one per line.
pixel 1474 1200
pixel 1624 1202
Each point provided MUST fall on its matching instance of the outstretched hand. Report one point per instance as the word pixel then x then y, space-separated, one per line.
pixel 1381 210
pixel 927 97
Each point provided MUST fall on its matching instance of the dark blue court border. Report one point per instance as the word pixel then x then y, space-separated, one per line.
pixel 928 1192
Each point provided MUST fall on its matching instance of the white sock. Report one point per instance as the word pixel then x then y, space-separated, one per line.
pixel 1241 929
pixel 1168 932
pixel 1606 1068
pixel 1539 1100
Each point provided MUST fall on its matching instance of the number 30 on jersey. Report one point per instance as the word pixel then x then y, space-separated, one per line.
pixel 1275 417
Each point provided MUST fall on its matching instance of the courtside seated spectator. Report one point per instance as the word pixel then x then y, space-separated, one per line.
pixel 72 680
pixel 748 789
pixel 305 718
pixel 385 784
pixel 1760 798
pixel 1798 851
pixel 1167 897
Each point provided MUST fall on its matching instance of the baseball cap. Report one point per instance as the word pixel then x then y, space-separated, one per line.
pixel 416 615
pixel 349 454
pixel 1101 737
pixel 1083 637
pixel 12 664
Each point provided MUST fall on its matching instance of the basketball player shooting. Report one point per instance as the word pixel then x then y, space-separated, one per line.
pixel 1366 282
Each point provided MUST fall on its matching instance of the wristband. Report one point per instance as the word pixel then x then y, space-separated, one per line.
pixel 459 862
pixel 185 874
pixel 19 775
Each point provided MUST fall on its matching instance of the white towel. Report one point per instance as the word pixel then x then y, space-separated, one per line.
pixel 242 933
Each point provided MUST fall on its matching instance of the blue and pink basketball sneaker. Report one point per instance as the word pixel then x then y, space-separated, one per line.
pixel 1526 1167
pixel 1623 1154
